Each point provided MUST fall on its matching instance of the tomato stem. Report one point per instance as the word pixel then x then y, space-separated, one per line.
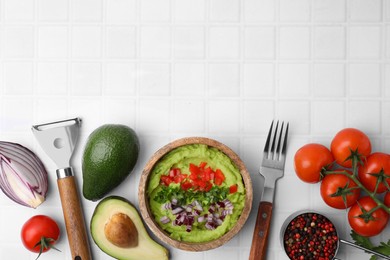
pixel 360 185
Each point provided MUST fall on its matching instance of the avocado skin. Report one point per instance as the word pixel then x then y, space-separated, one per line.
pixel 118 204
pixel 110 155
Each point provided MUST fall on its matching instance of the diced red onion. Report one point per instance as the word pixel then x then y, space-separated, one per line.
pixel 201 219
pixel 177 210
pixel 210 225
pixel 165 220
pixel 189 228
pixel 174 201
pixel 23 177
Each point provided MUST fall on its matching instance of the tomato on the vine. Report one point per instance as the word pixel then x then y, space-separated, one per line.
pixel 309 160
pixel 362 223
pixel 40 233
pixel 347 141
pixel 338 191
pixel 375 171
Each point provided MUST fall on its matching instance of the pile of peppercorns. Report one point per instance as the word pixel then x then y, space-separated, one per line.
pixel 310 236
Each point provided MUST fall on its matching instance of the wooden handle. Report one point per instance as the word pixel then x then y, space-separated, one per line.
pixel 260 234
pixel 74 219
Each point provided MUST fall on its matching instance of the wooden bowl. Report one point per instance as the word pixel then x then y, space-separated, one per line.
pixel 144 200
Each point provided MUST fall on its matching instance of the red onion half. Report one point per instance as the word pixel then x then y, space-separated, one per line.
pixel 23 177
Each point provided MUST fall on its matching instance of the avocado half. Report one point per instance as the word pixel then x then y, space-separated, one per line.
pixel 117 229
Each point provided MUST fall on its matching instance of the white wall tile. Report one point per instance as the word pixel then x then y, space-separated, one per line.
pixel 294 42
pixel 364 80
pixel 189 10
pixel 224 42
pixel 155 79
pixel 155 116
pixel 367 120
pixel 224 80
pixel 18 41
pixel 259 10
pixel 18 78
pixel 155 42
pixel 256 115
pixel 155 10
pixel 297 113
pixel 386 8
pixel 259 42
pixel 387 81
pixel 86 78
pixel 385 115
pixel 327 116
pixel 258 80
pixel 189 79
pixel 188 116
pixel 86 41
pixel 120 79
pixel 52 41
pixel 365 10
pixel 329 42
pixel 50 109
pixel 365 42
pixel 120 11
pixel 224 10
pixel 17 118
pixel 52 78
pixel 189 42
pixel 53 10
pixel 223 116
pixel 294 10
pixel 120 111
pixel 121 42
pixel 294 80
pixel 87 10
pixel 329 11
pixel 301 190
pixel 18 10
pixel 329 80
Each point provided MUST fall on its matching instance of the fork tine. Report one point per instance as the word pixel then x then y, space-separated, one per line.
pixel 273 147
pixel 266 147
pixel 277 149
pixel 285 140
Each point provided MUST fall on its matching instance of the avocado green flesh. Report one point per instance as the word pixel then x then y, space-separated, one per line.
pixel 147 249
pixel 110 155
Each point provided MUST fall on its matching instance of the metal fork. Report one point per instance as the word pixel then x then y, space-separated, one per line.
pixel 272 168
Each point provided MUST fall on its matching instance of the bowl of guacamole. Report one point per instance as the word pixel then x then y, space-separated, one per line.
pixel 195 194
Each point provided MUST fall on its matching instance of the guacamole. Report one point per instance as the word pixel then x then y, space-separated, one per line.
pixel 196 193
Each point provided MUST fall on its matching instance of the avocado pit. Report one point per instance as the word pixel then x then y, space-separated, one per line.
pixel 121 231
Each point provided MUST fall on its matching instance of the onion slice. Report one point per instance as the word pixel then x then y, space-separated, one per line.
pixel 23 177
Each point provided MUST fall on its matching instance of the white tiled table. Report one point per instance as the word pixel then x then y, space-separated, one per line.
pixel 173 68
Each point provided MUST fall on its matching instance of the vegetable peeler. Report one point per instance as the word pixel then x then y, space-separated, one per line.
pixel 58 140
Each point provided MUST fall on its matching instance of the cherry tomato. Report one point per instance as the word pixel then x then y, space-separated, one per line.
pixel 386 199
pixel 309 161
pixel 347 140
pixel 376 163
pixel 40 233
pixel 334 183
pixel 370 226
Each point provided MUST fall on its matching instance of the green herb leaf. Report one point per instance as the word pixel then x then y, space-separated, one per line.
pixel 361 240
pixel 187 196
pixel 383 248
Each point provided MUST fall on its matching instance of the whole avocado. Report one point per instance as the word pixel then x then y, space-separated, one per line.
pixel 110 155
